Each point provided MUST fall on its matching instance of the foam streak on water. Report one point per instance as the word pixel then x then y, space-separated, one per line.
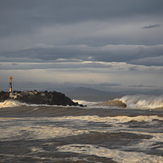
pixel 117 155
pixel 60 134
pixel 55 127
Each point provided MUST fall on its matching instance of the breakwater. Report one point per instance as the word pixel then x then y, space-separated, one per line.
pixel 38 97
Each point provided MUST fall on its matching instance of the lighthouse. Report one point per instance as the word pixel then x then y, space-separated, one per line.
pixel 11 94
pixel 10 80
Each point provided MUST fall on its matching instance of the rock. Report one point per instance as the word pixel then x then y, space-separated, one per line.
pixel 116 103
pixel 34 97
pixel 4 96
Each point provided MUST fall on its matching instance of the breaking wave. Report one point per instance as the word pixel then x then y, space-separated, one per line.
pixel 14 103
pixel 10 103
pixel 87 103
pixel 143 101
pixel 131 101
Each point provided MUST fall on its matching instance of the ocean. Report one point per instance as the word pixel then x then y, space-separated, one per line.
pixel 92 134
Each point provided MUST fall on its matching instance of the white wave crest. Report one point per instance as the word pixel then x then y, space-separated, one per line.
pixel 14 103
pixel 143 101
pixel 108 120
pixel 10 103
pixel 88 103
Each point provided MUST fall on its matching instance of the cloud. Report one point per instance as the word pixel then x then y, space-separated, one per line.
pixel 102 75
pixel 139 86
pixel 149 61
pixel 152 26
pixel 133 68
pixel 80 67
pixel 108 32
pixel 23 17
pixel 137 54
pixel 83 41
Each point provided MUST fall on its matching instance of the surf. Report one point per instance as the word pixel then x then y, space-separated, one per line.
pixel 10 103
pixel 143 101
pixel 129 102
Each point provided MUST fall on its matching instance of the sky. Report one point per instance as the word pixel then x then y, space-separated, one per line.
pixel 111 45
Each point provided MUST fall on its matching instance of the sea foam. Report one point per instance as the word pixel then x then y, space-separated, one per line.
pixel 143 101
pixel 10 103
pixel 131 101
pixel 116 155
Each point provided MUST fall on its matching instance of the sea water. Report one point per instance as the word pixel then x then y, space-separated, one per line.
pixel 43 133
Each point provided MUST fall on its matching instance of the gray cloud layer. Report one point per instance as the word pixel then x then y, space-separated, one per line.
pixel 62 35
pixel 152 26
pixel 21 16
pixel 137 54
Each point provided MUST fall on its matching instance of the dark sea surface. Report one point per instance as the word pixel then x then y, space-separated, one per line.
pixel 93 134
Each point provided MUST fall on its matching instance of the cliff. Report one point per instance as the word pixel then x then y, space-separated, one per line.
pixel 42 97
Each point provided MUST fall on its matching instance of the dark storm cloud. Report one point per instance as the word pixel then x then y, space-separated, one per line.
pixel 149 61
pixel 137 54
pixel 140 85
pixel 109 85
pixel 152 26
pixel 82 41
pixel 133 68
pixel 23 16
pixel 28 22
